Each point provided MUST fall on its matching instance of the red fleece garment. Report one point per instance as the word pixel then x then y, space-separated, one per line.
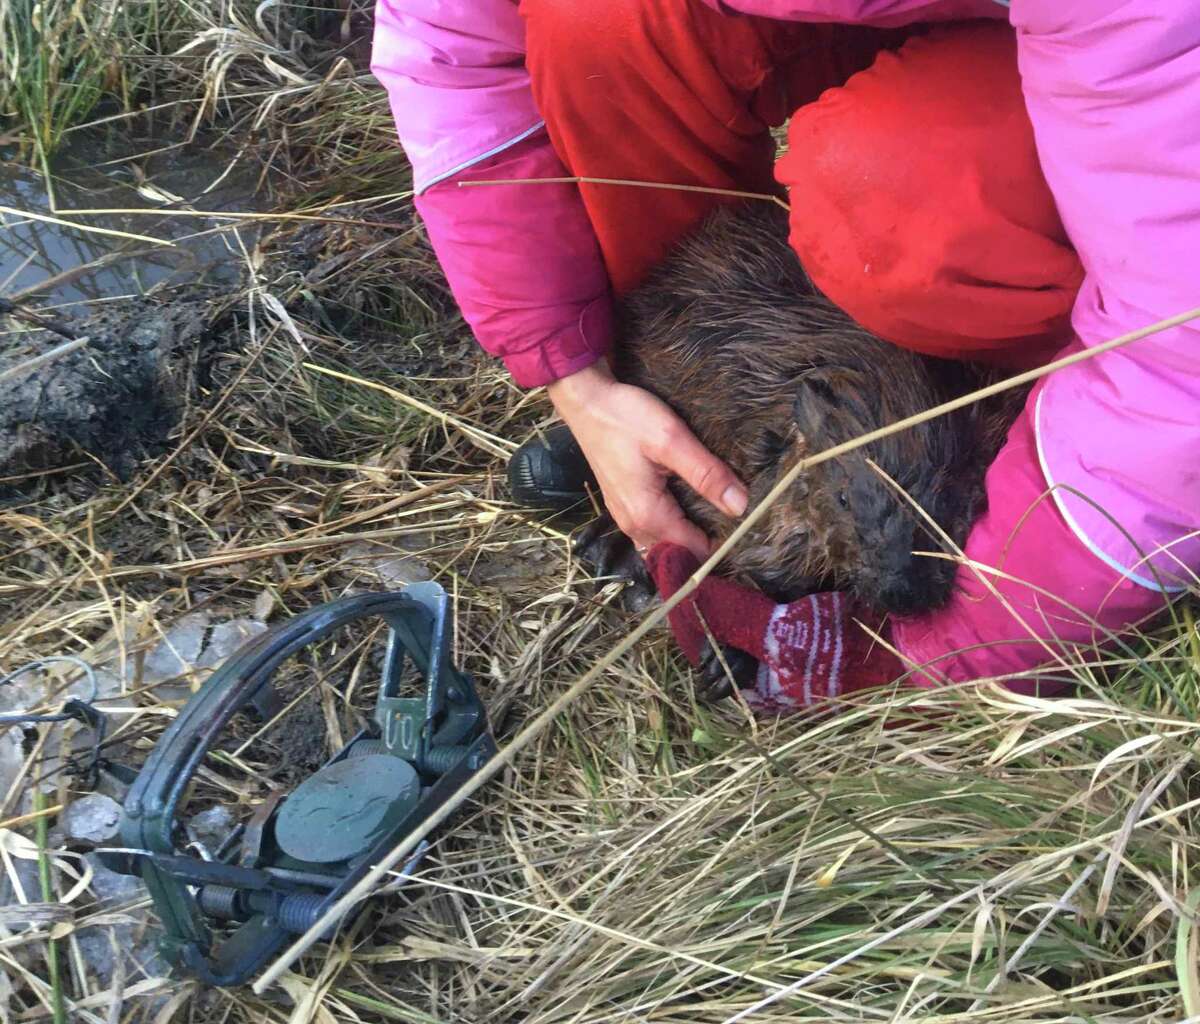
pixel 810 651
pixel 919 205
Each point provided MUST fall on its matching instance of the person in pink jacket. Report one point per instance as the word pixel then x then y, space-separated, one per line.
pixel 1093 513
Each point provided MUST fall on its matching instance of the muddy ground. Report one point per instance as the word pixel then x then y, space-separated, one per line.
pixel 148 286
pixel 115 399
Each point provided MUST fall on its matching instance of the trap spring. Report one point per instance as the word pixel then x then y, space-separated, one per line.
pixel 224 917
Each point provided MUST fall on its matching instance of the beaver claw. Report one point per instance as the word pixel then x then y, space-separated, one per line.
pixel 609 553
pixel 715 682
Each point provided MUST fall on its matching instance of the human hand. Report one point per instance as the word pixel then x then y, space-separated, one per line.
pixel 634 442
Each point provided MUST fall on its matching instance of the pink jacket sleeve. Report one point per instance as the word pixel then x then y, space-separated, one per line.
pixel 1113 88
pixel 525 268
pixel 522 260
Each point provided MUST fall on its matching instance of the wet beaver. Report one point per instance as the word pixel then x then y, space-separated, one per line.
pixel 764 369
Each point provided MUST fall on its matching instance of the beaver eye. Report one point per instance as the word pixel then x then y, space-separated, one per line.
pixel 843 499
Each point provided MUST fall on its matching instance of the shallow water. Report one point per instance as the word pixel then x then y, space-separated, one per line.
pixel 88 176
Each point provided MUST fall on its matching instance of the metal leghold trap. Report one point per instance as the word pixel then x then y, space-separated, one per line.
pixel 274 876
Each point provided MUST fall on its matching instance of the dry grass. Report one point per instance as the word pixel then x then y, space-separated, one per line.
pixel 972 856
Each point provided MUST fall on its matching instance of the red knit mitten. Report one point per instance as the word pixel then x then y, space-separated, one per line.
pixel 809 651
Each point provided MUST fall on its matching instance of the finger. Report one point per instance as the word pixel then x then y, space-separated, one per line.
pixel 669 526
pixel 656 517
pixel 670 565
pixel 739 615
pixel 687 535
pixel 703 472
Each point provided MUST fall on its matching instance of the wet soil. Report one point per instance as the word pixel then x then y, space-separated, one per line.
pixel 147 310
pixel 116 399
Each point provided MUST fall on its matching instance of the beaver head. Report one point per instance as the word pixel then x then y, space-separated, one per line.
pixel 845 524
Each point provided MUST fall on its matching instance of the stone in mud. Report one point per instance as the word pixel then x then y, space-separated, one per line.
pixel 211 827
pixel 112 786
pixel 21 693
pixel 108 685
pixel 12 763
pixel 127 944
pixel 112 948
pixel 194 642
pixel 392 570
pixel 177 653
pixel 130 934
pixel 20 883
pixel 111 887
pixel 228 638
pixel 116 399
pixel 94 820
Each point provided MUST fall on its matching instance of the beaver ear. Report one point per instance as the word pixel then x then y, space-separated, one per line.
pixel 768 447
pixel 823 392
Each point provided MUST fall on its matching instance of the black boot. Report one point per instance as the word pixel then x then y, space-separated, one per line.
pixel 550 472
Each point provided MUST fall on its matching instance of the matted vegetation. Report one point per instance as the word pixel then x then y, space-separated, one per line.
pixel 966 855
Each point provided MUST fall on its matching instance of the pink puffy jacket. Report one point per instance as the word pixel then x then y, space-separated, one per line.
pixel 1113 89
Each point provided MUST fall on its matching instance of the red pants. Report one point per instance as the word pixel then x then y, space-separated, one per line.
pixel 917 201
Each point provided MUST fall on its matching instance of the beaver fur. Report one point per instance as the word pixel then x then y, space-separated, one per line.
pixel 764 369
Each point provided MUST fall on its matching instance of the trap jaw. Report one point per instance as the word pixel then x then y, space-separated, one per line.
pixel 299 853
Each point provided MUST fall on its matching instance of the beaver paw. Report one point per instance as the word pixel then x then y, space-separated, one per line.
pixel 609 553
pixel 715 682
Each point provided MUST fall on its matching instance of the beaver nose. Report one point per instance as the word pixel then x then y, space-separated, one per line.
pixel 920 588
pixel 898 596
